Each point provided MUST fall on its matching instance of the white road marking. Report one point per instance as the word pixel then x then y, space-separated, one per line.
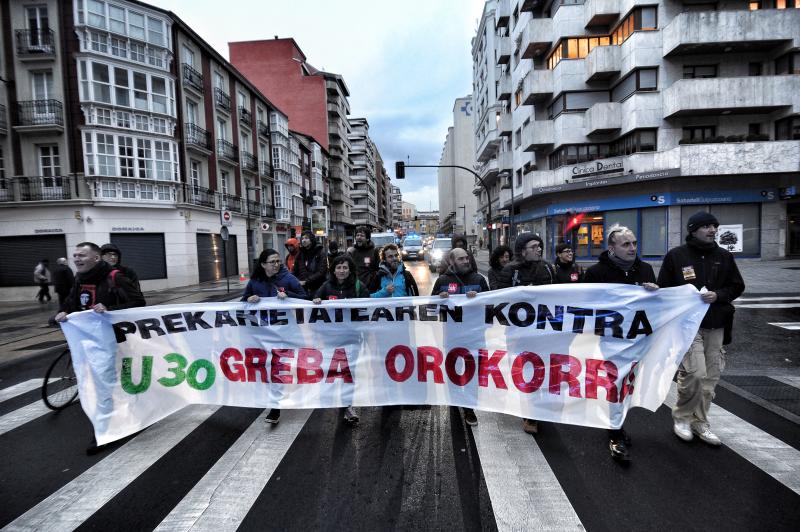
pixel 770 298
pixel 222 498
pixel 790 325
pixel 766 452
pixel 19 389
pixel 791 380
pixel 23 415
pixel 75 502
pixel 525 493
pixel 769 305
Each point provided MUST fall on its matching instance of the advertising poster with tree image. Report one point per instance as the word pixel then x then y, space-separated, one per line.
pixel 730 237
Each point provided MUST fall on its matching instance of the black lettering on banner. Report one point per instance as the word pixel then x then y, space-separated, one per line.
pixel 640 325
pixel 224 318
pixel 299 316
pixel 358 314
pixel 148 325
pixel 172 323
pixel 319 314
pixel 409 311
pixel 245 316
pixel 429 312
pixel 580 318
pixel 456 313
pixel 608 319
pixel 277 317
pixel 514 312
pixel 382 313
pixel 193 319
pixel 123 328
pixel 495 312
pixel 543 316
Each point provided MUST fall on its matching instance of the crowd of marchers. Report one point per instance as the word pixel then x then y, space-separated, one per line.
pixel 310 272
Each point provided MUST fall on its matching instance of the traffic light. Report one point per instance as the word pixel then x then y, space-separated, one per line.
pixel 400 170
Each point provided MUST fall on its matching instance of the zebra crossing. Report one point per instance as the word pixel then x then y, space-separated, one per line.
pixel 525 489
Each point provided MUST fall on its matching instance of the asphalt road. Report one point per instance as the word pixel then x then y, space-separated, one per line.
pixel 419 468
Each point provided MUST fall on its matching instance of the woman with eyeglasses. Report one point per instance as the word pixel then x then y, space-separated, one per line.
pixel 272 279
pixel 567 270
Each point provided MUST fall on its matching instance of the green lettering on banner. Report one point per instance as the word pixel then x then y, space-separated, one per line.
pixel 127 381
pixel 191 375
pixel 178 370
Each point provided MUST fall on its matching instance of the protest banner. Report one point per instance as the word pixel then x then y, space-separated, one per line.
pixel 580 354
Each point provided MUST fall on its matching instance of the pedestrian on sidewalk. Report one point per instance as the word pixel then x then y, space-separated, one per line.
pixel 41 276
pixel 271 279
pixel 527 269
pixel 713 271
pixel 619 263
pixel 501 256
pixel 63 279
pixel 342 283
pixel 393 280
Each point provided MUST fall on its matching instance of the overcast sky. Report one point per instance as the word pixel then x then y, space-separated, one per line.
pixel 404 62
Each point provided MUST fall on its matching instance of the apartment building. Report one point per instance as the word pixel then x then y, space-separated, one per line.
pixel 457 202
pixel 644 113
pixel 396 200
pixel 123 125
pixel 317 104
pixel 363 174
pixel 384 196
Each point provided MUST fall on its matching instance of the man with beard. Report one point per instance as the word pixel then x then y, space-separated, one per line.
pixel 712 270
pixel 365 256
pixel 393 280
pixel 460 278
pixel 311 264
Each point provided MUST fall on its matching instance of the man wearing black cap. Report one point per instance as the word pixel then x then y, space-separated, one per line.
pixel 365 255
pixel 712 270
pixel 527 269
pixel 111 254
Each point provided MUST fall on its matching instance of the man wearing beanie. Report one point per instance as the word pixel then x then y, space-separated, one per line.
pixel 111 254
pixel 712 270
pixel 527 269
pixel 365 255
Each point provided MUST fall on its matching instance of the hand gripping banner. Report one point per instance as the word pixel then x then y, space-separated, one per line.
pixel 582 354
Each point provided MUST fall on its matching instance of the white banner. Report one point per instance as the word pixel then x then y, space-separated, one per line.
pixel 581 354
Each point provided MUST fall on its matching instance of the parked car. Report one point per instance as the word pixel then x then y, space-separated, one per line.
pixel 439 250
pixel 412 248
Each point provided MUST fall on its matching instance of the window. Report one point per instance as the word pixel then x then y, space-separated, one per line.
pixel 160 126
pixel 140 91
pixel 122 94
pixel 219 81
pixel 788 64
pixel 194 175
pixel 50 166
pixel 127 190
pixel 141 122
pixel 144 155
pixel 146 191
pixel 754 6
pixel 576 101
pixel 653 232
pixel 191 112
pixel 101 86
pixel 698 134
pixel 123 119
pixel 42 85
pixel 102 116
pixel 116 19
pixel 223 182
pixel 187 55
pixel 699 71
pixel 159 89
pixel 163 160
pixel 108 189
pixel 788 128
pixel 748 215
pixel 98 41
pixel 155 31
pixel 38 22
pixel 645 79
pixel 138 52
pixel 576 48
pixel 119 47
pixel 97 14
pixel 640 140
pixel 136 25
pixel 754 69
pixel 222 129
pixel 163 192
pixel 105 155
pixel 640 19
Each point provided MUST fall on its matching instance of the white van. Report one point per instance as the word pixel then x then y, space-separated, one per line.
pixel 381 239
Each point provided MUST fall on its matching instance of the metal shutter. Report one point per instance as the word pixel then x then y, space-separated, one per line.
pixel 144 252
pixel 21 254
pixel 209 257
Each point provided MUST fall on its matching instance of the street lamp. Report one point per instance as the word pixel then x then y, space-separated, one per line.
pixel 509 184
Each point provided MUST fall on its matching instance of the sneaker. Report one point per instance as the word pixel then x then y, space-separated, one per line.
pixel 274 416
pixel 682 430
pixel 704 433
pixel 619 451
pixel 530 426
pixel 470 417
pixel 350 415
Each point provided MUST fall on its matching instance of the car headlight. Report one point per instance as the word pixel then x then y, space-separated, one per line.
pixel 405 252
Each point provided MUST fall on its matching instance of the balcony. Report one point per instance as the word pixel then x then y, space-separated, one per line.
pixel 222 99
pixel 716 32
pixel 267 211
pixel 198 139
pixel 227 151
pixel 249 162
pixel 537 86
pixel 740 158
pixel 602 63
pixel 503 50
pixel 3 120
pixel 265 170
pixel 505 161
pixel 146 192
pixel 538 134
pixel 38 188
pixel 504 88
pixel 537 37
pixel 504 125
pixel 263 129
pixel 488 146
pixel 603 118
pixel 502 14
pixel 35 44
pixel 245 117
pixel 600 12
pixel 230 203
pixel 197 195
pixel 192 79
pixel 724 96
pixel 39 116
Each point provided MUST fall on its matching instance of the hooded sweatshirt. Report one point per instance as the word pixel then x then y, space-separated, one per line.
pixel 290 257
pixel 311 264
pixel 283 281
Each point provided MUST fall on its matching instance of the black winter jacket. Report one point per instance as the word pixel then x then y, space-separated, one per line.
pixel 568 273
pixel 605 271
pixel 367 258
pixel 351 288
pixel 521 273
pixel 96 286
pixel 713 268
pixel 454 283
pixel 311 266
pixel 494 278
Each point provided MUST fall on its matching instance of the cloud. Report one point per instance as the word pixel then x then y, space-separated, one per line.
pixel 425 198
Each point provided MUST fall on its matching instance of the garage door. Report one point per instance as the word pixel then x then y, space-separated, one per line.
pixel 209 257
pixel 144 252
pixel 20 254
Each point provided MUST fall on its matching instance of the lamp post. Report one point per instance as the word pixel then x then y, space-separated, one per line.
pixel 400 167
pixel 509 184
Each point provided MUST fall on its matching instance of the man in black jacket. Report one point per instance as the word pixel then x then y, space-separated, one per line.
pixel 311 263
pixel 619 263
pixel 365 255
pixel 113 256
pixel 527 268
pixel 63 279
pixel 712 270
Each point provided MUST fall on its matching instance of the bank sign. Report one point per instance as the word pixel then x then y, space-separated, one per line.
pixel 597 168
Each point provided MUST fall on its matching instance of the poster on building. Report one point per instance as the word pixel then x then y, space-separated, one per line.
pixel 319 221
pixel 730 237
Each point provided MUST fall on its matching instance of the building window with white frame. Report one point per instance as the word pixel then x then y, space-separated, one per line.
pixel 97 14
pixel 223 182
pixel 50 166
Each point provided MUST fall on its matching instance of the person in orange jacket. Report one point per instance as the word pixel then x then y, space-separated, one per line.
pixel 293 247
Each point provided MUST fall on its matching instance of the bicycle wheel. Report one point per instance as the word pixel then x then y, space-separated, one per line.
pixel 60 385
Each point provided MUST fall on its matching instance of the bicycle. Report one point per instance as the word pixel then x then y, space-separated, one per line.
pixel 60 387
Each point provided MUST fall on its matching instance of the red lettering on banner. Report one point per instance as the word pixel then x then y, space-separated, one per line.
pixel 391 363
pixel 236 374
pixel 627 383
pixel 558 375
pixel 429 359
pixel 339 368
pixel 277 366
pixel 518 376
pixel 491 366
pixel 309 366
pixel 255 360
pixel 469 365
pixel 607 381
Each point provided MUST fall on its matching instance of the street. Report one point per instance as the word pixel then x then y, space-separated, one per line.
pixel 412 467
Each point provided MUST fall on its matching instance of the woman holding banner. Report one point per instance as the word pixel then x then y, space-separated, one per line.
pixel 620 264
pixel 272 279
pixel 342 283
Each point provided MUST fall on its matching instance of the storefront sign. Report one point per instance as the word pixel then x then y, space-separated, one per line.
pixel 608 181
pixel 126 229
pixel 203 230
pixel 597 168
pixel 53 230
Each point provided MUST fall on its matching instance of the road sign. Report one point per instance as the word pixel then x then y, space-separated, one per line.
pixel 224 233
pixel 226 218
pixel 264 227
